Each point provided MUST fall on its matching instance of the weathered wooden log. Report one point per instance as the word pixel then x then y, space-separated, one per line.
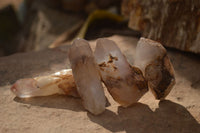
pixel 175 23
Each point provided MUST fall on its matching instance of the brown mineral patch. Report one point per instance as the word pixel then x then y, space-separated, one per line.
pixel 136 77
pixel 109 63
pixel 62 77
pixel 112 82
pixel 167 78
pixel 136 70
pixel 67 76
pixel 69 87
pixel 114 86
pixel 101 69
pixel 111 58
pixel 168 65
pixel 103 64
pixel 114 67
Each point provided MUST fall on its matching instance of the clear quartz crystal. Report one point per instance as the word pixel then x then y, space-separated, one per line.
pixel 61 82
pixel 86 75
pixel 151 57
pixel 125 83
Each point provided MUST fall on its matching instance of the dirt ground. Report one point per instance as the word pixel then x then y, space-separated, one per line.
pixel 179 113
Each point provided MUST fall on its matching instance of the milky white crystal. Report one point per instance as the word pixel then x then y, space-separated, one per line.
pixel 151 57
pixel 125 83
pixel 61 82
pixel 86 75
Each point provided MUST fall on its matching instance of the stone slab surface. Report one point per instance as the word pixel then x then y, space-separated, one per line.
pixel 180 112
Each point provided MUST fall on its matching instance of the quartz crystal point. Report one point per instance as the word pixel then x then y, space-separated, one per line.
pixel 61 82
pixel 86 75
pixel 151 57
pixel 126 84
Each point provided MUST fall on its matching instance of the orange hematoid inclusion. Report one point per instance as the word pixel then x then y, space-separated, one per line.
pixel 61 82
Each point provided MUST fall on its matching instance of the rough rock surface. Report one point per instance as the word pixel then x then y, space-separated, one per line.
pixel 175 23
pixel 44 25
pixel 179 113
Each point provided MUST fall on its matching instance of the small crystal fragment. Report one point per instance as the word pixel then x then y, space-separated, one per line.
pixel 151 57
pixel 126 84
pixel 86 75
pixel 61 82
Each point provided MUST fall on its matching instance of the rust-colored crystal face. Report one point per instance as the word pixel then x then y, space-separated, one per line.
pixel 151 58
pixel 126 84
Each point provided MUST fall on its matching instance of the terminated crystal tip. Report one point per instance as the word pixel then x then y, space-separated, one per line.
pixel 126 84
pixel 86 76
pixel 152 59
pixel 61 82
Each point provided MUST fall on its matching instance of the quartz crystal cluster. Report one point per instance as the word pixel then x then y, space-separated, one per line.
pixel 126 84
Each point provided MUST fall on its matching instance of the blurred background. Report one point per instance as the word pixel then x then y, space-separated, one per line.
pixel 33 25
pixel 37 30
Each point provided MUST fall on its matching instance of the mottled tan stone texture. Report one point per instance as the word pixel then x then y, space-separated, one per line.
pixel 174 23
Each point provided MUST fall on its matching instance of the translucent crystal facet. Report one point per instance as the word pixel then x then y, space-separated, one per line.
pixel 151 57
pixel 125 83
pixel 61 82
pixel 86 75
